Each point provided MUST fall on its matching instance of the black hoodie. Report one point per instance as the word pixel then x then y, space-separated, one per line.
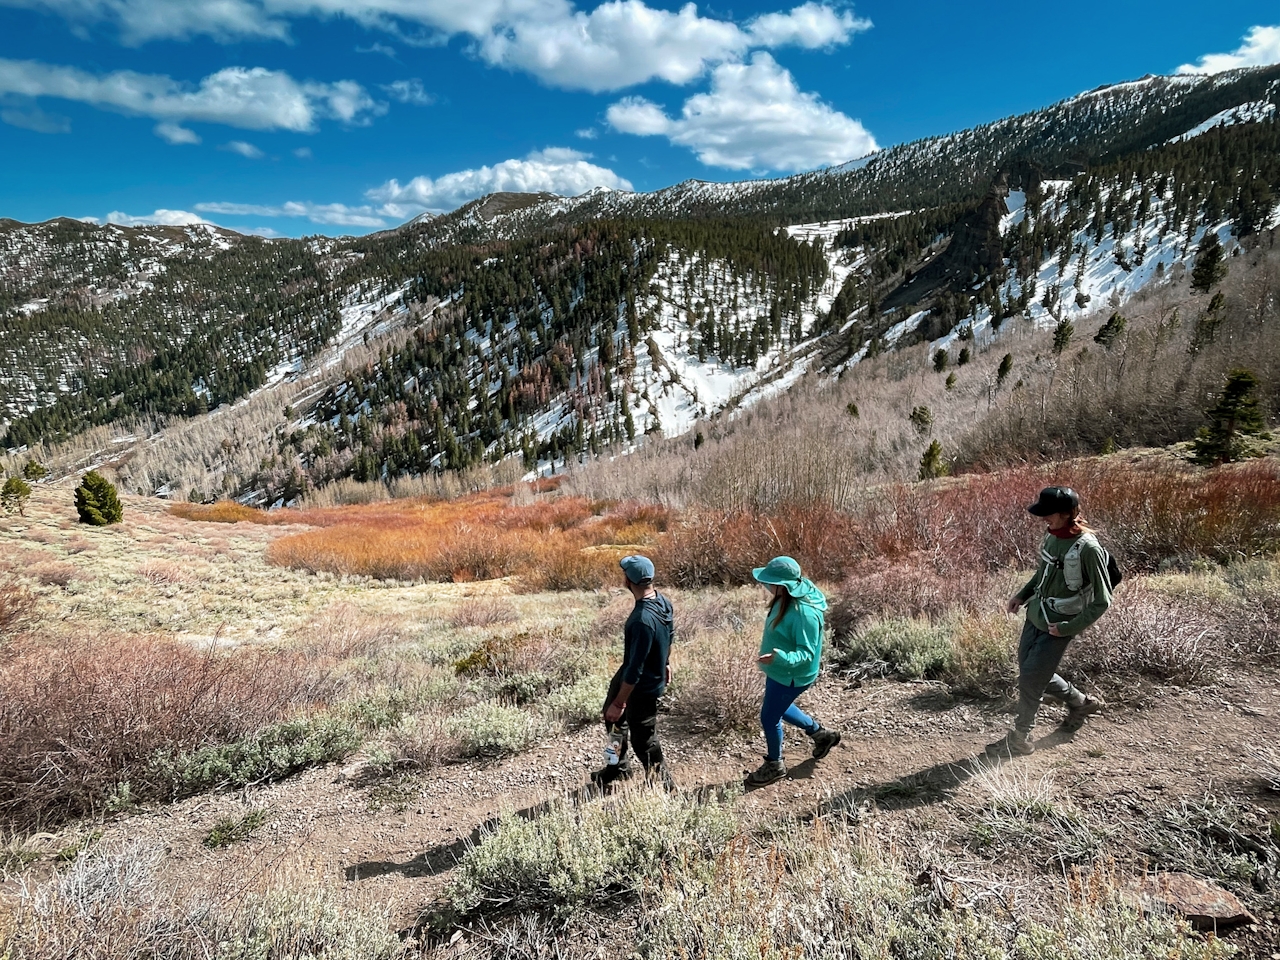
pixel 647 644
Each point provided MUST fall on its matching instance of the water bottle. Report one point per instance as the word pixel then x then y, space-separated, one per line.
pixel 612 747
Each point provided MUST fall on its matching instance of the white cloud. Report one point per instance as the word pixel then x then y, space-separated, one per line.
pixel 586 133
pixel 165 218
pixel 141 20
pixel 409 91
pixel 175 134
pixel 381 48
pixel 616 44
pixel 554 170
pixel 244 149
pixel 1261 47
pixel 36 120
pixel 250 98
pixel 810 25
pixel 335 214
pixel 303 153
pixel 753 118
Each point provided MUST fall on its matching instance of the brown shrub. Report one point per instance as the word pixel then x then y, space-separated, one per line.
pixel 425 741
pixel 17 609
pixel 228 511
pixel 163 572
pixel 482 612
pixel 913 587
pixel 344 631
pixel 708 549
pixel 53 573
pixel 549 653
pixel 1144 636
pixel 79 545
pixel 79 716
pixel 724 686
pixel 565 566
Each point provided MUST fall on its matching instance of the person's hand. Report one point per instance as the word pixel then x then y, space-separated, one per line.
pixel 765 657
pixel 668 673
pixel 1014 605
pixel 614 713
pixel 1054 631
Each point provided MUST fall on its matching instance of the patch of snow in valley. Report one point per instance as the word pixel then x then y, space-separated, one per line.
pixel 1253 112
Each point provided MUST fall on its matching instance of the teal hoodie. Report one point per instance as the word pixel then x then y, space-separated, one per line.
pixel 796 641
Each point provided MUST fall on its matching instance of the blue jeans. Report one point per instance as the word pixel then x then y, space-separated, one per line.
pixel 778 706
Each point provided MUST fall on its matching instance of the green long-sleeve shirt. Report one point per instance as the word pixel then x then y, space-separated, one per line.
pixel 1051 584
pixel 796 641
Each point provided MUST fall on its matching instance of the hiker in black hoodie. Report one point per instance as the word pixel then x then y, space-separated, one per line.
pixel 631 706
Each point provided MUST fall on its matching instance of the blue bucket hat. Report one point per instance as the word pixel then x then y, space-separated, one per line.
pixel 637 568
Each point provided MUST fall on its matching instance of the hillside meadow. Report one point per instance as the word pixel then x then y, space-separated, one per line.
pixel 365 731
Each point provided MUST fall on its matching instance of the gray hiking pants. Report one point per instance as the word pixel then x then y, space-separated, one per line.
pixel 1039 654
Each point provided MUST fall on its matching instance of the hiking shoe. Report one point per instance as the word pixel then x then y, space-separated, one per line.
pixel 1013 744
pixel 1076 716
pixel 823 740
pixel 768 772
pixel 612 773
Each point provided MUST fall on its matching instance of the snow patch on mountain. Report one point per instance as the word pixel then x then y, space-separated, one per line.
pixel 1254 112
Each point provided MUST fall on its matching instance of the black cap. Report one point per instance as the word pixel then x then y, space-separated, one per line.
pixel 1055 500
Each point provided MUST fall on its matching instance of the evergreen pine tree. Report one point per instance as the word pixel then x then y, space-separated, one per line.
pixel 932 465
pixel 1235 422
pixel 97 502
pixel 1209 268
pixel 1110 331
pixel 33 470
pixel 14 496
pixel 1062 335
pixel 1005 368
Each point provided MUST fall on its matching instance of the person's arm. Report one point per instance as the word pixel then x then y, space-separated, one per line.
pixel 806 635
pixel 637 640
pixel 1095 574
pixel 1028 588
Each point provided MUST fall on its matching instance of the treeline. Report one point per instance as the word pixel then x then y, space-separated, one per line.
pixel 531 350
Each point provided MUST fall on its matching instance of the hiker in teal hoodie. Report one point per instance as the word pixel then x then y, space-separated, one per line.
pixel 790 655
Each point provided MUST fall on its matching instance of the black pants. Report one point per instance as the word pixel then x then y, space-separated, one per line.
pixel 639 724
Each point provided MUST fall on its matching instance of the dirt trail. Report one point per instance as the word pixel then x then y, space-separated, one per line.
pixel 905 751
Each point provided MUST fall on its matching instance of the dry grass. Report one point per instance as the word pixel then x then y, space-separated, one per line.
pixel 53 573
pixel 164 572
pixel 482 612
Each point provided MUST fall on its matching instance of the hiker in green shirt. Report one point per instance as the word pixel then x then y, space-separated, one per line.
pixel 790 657
pixel 1071 589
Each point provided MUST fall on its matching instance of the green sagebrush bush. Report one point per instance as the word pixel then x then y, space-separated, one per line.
pixel 97 503
pixel 270 754
pixel 575 855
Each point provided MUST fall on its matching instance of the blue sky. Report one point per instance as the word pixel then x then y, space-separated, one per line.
pixel 290 117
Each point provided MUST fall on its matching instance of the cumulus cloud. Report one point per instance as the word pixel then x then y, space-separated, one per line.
pixel 409 91
pixel 250 98
pixel 243 148
pixel 334 214
pixel 753 118
pixel 1261 47
pixel 554 170
pixel 810 25
pixel 176 134
pixel 164 218
pixel 617 44
pixel 36 120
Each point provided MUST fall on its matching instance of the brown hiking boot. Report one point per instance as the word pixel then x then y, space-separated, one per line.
pixel 768 772
pixel 823 740
pixel 1012 744
pixel 1076 716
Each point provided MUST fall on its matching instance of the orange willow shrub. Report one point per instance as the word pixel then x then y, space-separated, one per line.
pixel 556 544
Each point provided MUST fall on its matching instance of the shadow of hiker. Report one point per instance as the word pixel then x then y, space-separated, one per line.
pixel 934 784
